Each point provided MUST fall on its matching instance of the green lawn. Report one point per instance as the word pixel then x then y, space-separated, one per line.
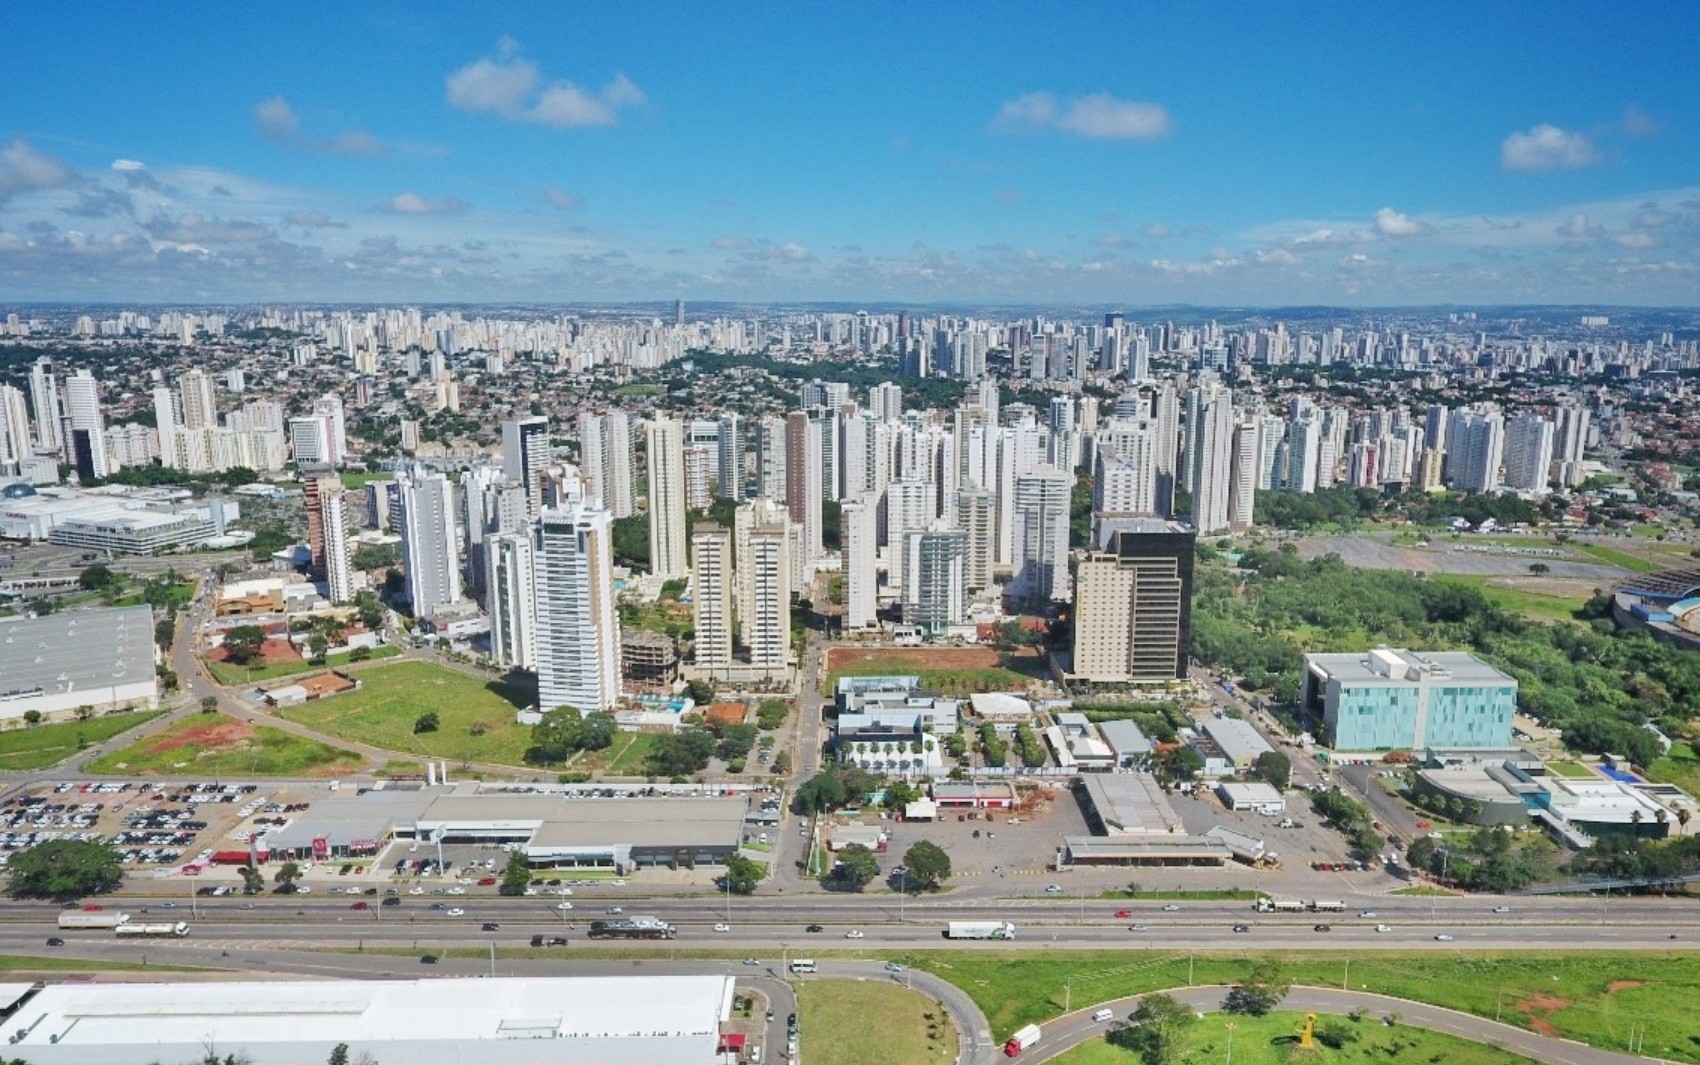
pixel 1680 767
pixel 212 745
pixel 1541 606
pixel 24 963
pixel 1270 1040
pixel 1572 770
pixel 360 478
pixel 1424 892
pixel 946 681
pixel 1592 997
pixel 630 754
pixel 45 745
pixel 856 1022
pixel 1612 556
pixel 241 676
pixel 392 697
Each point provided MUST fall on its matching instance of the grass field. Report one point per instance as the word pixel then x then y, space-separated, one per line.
pixel 45 745
pixel 1591 997
pixel 1541 606
pixel 1269 1041
pixel 1422 891
pixel 1571 770
pixel 1612 556
pixel 630 754
pixel 24 963
pixel 855 1022
pixel 360 478
pixel 233 675
pixel 392 698
pixel 215 745
pixel 1680 767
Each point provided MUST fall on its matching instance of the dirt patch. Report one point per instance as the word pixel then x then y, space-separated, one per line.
pixel 901 658
pixel 1535 1006
pixel 1621 985
pixel 211 736
pixel 272 653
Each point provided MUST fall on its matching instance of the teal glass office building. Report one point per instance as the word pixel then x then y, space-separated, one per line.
pixel 1403 700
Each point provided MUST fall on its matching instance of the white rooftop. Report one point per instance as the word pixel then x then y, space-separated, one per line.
pixel 77 650
pixel 1390 666
pixel 1000 705
pixel 619 1020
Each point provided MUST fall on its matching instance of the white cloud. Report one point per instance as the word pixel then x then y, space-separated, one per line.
pixel 1579 226
pixel 1113 240
pixel 1099 116
pixel 1636 241
pixel 1390 223
pixel 1103 117
pixel 1655 217
pixel 278 122
pixel 413 203
pixel 1546 147
pixel 127 166
pixel 509 86
pixel 1156 230
pixel 1278 257
pixel 556 196
pixel 23 169
pixel 729 242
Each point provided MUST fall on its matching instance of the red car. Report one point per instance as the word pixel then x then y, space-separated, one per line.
pixel 91 908
pixel 1124 913
pixel 486 881
pixel 360 906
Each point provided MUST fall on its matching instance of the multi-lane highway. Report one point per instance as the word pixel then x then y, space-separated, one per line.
pixel 886 922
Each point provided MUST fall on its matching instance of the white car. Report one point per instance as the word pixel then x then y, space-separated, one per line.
pixel 564 891
pixel 1502 909
pixel 854 933
pixel 457 891
pixel 722 927
pixel 1366 914
pixel 457 912
pixel 1170 908
pixel 303 889
pixel 416 891
pixel 1443 938
pixel 1383 928
pixel 1053 889
pixel 529 892
pixel 563 905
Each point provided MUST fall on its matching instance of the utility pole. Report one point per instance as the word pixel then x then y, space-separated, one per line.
pixel 1347 978
pixel 1230 1043
pixel 1189 968
pixel 492 957
pixel 1068 992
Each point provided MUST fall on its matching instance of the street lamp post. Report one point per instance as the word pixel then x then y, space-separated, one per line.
pixel 1230 1043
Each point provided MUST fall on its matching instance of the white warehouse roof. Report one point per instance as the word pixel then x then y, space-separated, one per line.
pixel 620 1020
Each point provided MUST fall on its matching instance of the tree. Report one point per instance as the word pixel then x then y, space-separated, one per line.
pixel 96 578
pixel 164 631
pixel 369 609
pixel 516 875
pixel 699 691
pixel 1274 768
pixel 681 753
pixel 359 654
pixel 1539 569
pixel 32 718
pixel 318 646
pixel 209 704
pixel 597 733
pixel 736 741
pixel 856 866
pixel 1155 1029
pixel 1261 991
pixel 64 869
pixel 286 876
pixel 927 864
pixel 374 556
pixel 743 874
pixel 557 736
pixel 782 764
pixel 1177 764
pixel 426 722
pixel 242 643
pixel 821 792
pixel 252 882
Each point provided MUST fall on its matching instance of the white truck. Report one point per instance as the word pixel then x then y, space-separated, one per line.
pixel 1023 1038
pixel 1328 906
pixel 1268 905
pixel 78 920
pixel 162 928
pixel 979 930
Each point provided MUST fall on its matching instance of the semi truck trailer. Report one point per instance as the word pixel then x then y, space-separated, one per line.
pixel 979 930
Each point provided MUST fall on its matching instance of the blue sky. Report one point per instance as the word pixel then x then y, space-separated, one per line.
pixel 1128 154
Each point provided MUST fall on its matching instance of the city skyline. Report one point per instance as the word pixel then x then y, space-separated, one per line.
pixel 1498 155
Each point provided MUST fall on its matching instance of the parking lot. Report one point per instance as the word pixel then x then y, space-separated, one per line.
pixel 149 824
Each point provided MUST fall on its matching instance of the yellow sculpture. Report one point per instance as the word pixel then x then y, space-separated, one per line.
pixel 1307 1033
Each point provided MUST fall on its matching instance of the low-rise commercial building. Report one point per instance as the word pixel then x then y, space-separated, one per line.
pixel 1253 795
pixel 606 1020
pixel 1402 700
pixel 1240 743
pixel 1129 804
pixel 54 665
